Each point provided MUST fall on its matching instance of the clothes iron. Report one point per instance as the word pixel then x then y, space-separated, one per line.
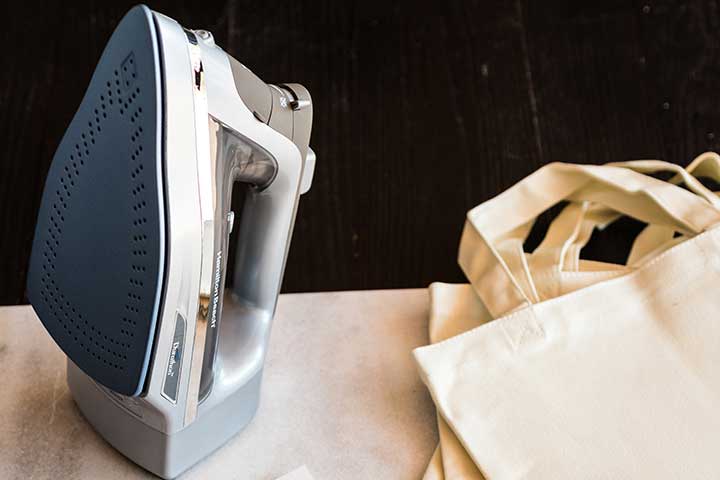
pixel 127 271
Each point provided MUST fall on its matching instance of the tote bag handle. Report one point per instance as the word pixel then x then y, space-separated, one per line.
pixel 647 242
pixel 559 250
pixel 568 233
pixel 655 238
pixel 620 189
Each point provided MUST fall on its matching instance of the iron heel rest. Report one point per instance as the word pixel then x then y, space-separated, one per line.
pixel 127 271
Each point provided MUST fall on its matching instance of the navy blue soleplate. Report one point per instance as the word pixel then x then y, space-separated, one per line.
pixel 96 270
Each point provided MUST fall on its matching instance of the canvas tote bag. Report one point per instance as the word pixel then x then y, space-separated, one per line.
pixel 455 309
pixel 614 380
pixel 556 269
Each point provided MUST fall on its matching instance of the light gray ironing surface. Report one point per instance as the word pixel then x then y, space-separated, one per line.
pixel 318 407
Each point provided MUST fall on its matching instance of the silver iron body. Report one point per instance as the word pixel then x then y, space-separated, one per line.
pixel 218 131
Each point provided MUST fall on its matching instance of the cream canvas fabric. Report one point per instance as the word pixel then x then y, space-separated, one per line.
pixel 589 370
pixel 455 309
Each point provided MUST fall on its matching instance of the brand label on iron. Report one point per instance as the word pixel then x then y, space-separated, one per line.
pixel 216 288
pixel 172 373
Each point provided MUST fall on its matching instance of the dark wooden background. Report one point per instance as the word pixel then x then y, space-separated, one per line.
pixel 422 110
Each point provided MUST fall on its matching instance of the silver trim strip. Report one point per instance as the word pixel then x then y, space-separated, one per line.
pixel 207 209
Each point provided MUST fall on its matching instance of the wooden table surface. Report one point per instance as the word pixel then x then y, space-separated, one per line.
pixel 341 395
pixel 422 109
